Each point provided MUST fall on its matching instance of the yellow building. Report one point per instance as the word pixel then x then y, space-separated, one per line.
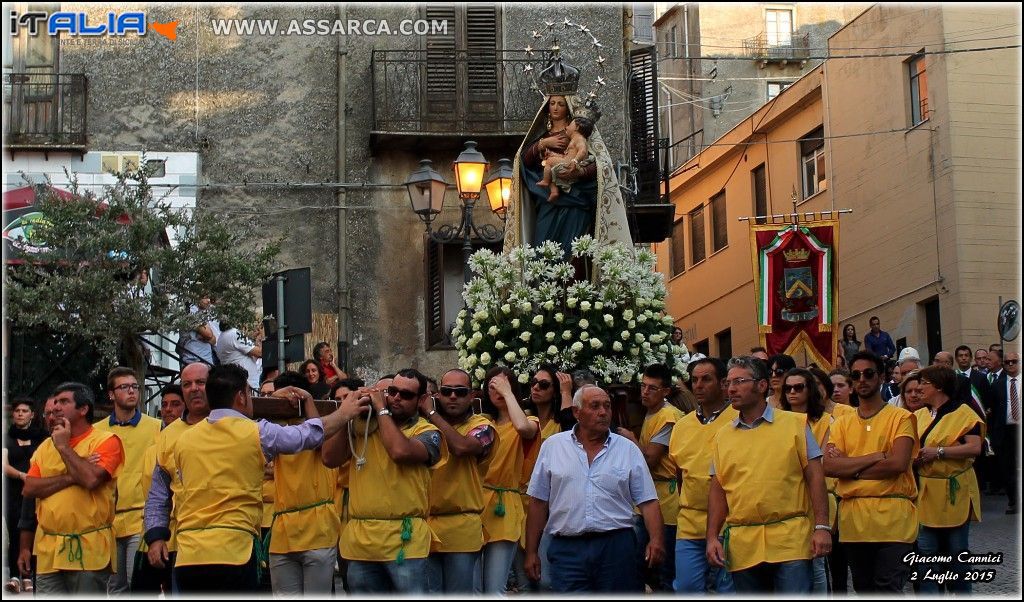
pixel 923 147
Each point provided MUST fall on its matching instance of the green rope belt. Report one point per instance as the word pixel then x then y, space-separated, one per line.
pixel 270 531
pixel 671 483
pixel 954 485
pixel 406 535
pixel 73 543
pixel 499 508
pixel 261 557
pixel 729 527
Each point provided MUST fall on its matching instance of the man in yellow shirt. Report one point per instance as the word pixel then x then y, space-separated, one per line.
pixel 690 452
pixel 137 432
pixel 74 543
pixel 870 452
pixel 456 487
pixel 387 540
pixel 765 479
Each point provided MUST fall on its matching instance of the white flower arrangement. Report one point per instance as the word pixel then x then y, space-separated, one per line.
pixel 525 308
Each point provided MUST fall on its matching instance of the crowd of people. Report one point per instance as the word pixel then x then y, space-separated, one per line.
pixel 770 478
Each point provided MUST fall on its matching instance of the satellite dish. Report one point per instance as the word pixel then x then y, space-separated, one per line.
pixel 1009 320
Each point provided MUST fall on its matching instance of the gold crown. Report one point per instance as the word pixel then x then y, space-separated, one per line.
pixel 796 255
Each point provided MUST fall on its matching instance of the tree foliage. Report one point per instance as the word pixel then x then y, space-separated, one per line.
pixel 86 264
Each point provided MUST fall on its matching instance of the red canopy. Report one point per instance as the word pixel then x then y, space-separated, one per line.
pixel 20 198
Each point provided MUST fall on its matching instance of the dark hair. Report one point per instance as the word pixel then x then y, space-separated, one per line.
pixel 996 347
pixel 758 349
pixel 302 371
pixel 173 389
pixel 962 348
pixel 823 379
pixel 552 371
pixel 781 360
pixel 585 126
pixel 485 395
pixel 854 339
pixel 660 372
pixel 720 370
pixel 865 355
pixel 223 383
pixel 351 383
pixel 998 352
pixel 420 378
pixel 942 377
pixel 318 348
pixel 266 372
pixel 841 372
pixel 873 318
pixel 118 372
pixel 23 400
pixel 83 395
pixel 291 378
pixel 815 405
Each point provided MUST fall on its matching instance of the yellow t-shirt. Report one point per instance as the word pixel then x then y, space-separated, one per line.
pixel 769 506
pixel 387 499
pixel 506 521
pixel 163 457
pixel 872 510
pixel 457 498
pixel 219 467
pixel 664 474
pixel 75 510
pixel 130 498
pixel 305 515
pixel 690 451
pixel 839 409
pixel 949 494
pixel 820 430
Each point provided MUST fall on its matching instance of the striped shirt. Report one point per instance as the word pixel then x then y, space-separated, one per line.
pixel 590 498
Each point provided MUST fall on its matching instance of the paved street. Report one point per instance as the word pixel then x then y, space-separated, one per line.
pixel 998 532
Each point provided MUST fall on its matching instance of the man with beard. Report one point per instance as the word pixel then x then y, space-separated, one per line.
pixel 456 487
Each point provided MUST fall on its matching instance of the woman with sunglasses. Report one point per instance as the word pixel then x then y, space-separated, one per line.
pixel 778 365
pixel 950 434
pixel 503 517
pixel 801 394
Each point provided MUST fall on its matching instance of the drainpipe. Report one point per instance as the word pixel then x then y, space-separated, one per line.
pixel 341 197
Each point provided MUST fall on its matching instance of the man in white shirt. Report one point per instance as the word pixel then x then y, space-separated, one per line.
pixel 233 347
pixel 1004 423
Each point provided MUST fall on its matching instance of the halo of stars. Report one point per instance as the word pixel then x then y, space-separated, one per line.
pixel 568 26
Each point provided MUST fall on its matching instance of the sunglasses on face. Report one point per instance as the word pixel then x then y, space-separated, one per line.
pixel 1011 362
pixel 797 388
pixel 456 391
pixel 778 371
pixel 404 394
pixel 543 385
pixel 868 374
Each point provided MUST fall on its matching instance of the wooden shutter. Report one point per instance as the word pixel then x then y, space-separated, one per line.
pixel 434 293
pixel 719 227
pixel 697 250
pixel 440 99
pixel 679 247
pixel 643 121
pixel 760 193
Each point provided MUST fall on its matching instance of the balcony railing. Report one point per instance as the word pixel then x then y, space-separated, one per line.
pixel 792 47
pixel 454 92
pixel 45 111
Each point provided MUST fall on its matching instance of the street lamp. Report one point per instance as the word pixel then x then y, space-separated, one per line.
pixel 499 187
pixel 426 193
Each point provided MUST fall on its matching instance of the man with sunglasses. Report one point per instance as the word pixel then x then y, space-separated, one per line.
pixel 767 486
pixel 137 432
pixel 870 452
pixel 456 487
pixel 387 540
pixel 1005 422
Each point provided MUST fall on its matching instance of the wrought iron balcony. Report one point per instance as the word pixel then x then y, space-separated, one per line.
pixel 452 94
pixel 45 111
pixel 777 48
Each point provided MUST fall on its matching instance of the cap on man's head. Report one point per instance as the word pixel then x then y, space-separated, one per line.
pixel 908 353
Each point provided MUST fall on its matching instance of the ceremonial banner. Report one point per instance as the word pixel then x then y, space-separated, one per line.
pixel 795 281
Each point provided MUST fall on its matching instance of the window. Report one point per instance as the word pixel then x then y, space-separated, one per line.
pixel 719 227
pixel 702 348
pixel 697 252
pixel 760 193
pixel 679 247
pixel 444 282
pixel 673 48
pixel 462 69
pixel 918 90
pixel 812 162
pixel 776 88
pixel 778 25
pixel 643 23
pixel 724 342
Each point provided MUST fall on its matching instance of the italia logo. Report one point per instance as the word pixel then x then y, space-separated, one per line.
pixel 79 24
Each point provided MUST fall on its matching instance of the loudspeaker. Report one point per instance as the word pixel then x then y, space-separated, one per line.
pixel 298 308
pixel 294 350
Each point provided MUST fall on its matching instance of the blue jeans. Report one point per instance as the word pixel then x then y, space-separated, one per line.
pixel 819 579
pixel 693 573
pixel 454 573
pixel 601 562
pixel 945 542
pixel 497 562
pixel 792 577
pixel 660 578
pixel 377 577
